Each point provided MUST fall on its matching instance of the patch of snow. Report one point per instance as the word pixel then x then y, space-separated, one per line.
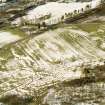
pixel 103 45
pixel 7 37
pixel 95 3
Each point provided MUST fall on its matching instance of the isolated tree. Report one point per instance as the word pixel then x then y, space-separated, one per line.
pixel 75 11
pixel 62 18
pixel 66 14
pixel 43 24
pixel 88 6
pixel 38 25
pixel 82 10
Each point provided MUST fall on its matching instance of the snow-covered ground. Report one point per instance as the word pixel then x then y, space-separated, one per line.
pixel 56 10
pixel 7 37
pixel 48 58
pixel 54 56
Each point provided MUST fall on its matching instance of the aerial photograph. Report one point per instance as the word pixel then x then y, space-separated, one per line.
pixel 52 52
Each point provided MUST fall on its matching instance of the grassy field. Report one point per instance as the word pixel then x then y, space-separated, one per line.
pixel 13 30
